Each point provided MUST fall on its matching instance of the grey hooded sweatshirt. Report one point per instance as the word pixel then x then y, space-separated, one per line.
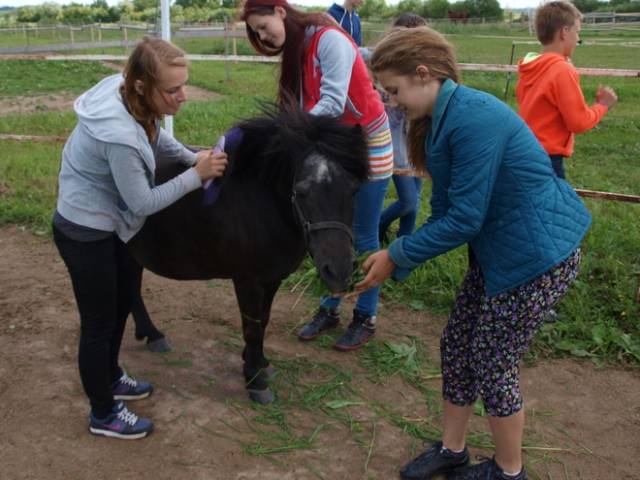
pixel 106 179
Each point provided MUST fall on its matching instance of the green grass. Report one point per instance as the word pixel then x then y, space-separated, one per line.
pixel 39 76
pixel 28 175
pixel 599 317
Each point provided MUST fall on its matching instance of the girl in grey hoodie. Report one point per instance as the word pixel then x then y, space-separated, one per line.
pixel 105 191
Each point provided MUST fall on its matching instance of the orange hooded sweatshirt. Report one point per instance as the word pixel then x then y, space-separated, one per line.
pixel 552 104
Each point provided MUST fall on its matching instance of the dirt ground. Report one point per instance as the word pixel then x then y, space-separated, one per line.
pixel 592 415
pixel 64 100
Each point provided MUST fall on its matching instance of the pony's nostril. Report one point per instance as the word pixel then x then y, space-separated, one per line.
pixel 327 272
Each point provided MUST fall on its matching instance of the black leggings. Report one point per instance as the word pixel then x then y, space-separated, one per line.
pixel 105 278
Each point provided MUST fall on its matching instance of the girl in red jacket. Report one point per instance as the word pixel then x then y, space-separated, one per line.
pixel 323 72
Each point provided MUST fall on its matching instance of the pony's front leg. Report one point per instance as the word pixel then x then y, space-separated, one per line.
pixel 254 299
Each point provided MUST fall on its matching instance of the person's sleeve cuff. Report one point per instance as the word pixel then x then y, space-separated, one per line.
pixel 191 179
pixel 404 266
pixel 189 157
pixel 396 253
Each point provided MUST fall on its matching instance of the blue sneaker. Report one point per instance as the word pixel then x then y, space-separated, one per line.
pixel 121 423
pixel 128 388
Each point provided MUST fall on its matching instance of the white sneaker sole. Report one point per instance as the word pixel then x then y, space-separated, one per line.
pixel 109 433
pixel 133 397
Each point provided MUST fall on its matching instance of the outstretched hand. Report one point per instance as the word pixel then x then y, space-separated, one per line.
pixel 210 165
pixel 606 96
pixel 378 268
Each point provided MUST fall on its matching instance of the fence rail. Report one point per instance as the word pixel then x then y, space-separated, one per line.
pixel 480 67
pixel 60 47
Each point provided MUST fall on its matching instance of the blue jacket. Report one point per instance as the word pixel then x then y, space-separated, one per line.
pixel 349 21
pixel 494 188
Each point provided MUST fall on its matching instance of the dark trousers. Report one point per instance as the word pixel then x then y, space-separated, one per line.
pixel 557 162
pixel 105 278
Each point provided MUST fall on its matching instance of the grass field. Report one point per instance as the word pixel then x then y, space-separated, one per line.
pixel 599 319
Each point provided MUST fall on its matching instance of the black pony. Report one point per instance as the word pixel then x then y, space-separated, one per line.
pixel 289 189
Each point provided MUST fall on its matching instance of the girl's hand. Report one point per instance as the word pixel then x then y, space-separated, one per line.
pixel 606 96
pixel 379 267
pixel 210 165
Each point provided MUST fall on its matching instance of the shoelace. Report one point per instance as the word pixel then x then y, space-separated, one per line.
pixel 127 417
pixel 127 380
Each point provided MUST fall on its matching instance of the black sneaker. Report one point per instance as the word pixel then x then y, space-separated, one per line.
pixel 434 461
pixel 487 470
pixel 361 329
pixel 324 319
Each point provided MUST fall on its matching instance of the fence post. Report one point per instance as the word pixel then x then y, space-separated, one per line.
pixel 99 33
pixel 235 40
pixel 71 34
pixel 226 50
pixel 506 87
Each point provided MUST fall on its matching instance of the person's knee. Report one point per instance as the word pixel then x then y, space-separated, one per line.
pixel 501 395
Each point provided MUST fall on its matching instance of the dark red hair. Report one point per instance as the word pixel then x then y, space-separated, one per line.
pixel 292 51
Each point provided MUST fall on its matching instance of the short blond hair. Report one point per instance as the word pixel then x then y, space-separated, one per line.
pixel 552 16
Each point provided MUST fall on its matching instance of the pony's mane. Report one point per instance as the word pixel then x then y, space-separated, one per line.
pixel 277 140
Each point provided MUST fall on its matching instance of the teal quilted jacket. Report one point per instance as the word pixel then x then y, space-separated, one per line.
pixel 493 188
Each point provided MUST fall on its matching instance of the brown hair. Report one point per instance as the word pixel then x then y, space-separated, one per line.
pixel 552 16
pixel 144 64
pixel 402 51
pixel 409 20
pixel 292 51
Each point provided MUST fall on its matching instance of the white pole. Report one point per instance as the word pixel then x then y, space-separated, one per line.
pixel 166 35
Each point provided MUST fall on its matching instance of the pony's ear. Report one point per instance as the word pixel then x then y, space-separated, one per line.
pixel 357 129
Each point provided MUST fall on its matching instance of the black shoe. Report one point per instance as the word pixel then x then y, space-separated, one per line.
pixel 487 470
pixel 324 319
pixel 361 329
pixel 434 461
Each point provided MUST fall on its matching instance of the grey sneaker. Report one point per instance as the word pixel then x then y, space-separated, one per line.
pixel 361 329
pixel 324 319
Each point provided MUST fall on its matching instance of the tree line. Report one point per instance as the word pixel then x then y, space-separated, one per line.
pixel 217 10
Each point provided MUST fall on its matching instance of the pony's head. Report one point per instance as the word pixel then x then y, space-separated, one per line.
pixel 318 165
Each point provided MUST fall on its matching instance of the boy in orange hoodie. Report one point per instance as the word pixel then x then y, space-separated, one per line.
pixel 548 91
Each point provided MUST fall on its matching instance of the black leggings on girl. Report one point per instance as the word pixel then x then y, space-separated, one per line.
pixel 105 278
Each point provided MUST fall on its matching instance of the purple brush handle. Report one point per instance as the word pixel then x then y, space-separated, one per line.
pixel 211 190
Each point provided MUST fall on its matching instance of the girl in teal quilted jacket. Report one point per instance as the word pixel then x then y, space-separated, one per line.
pixel 494 189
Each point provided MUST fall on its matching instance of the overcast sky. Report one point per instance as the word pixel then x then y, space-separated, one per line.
pixel 503 3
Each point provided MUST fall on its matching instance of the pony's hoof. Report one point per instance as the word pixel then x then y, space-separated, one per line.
pixel 263 397
pixel 159 346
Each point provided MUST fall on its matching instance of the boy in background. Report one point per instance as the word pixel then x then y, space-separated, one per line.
pixel 548 91
pixel 348 18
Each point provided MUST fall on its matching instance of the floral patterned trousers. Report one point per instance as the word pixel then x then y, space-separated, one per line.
pixel 486 337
